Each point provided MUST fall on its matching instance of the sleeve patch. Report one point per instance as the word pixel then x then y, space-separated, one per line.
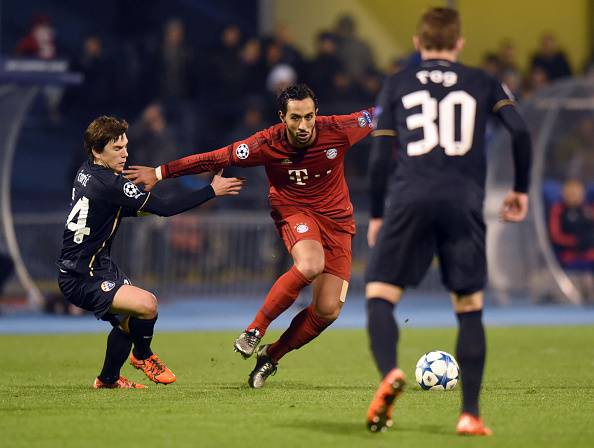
pixel 242 151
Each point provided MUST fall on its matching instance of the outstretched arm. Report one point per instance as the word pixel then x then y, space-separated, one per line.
pixel 220 186
pixel 194 164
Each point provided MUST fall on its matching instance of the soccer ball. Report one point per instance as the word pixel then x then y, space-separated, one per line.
pixel 437 370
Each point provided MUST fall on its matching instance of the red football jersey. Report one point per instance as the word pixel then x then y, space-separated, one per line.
pixel 310 178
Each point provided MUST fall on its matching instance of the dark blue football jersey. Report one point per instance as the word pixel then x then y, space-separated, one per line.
pixel 438 112
pixel 100 199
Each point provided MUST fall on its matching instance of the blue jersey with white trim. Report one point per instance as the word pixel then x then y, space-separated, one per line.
pixel 438 113
pixel 100 199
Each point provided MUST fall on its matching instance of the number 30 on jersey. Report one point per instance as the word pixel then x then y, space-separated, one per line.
pixel 438 122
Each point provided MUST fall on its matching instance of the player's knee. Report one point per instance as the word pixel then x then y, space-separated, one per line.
pixel 328 312
pixel 148 306
pixel 311 267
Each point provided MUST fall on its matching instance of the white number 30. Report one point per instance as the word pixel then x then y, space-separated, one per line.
pixel 79 227
pixel 444 112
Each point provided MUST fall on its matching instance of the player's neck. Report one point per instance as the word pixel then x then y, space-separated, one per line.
pixel 451 56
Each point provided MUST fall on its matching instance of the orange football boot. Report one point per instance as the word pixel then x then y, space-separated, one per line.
pixel 469 425
pixel 121 383
pixel 154 369
pixel 379 414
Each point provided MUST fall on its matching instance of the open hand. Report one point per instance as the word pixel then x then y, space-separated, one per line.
pixel 226 186
pixel 142 175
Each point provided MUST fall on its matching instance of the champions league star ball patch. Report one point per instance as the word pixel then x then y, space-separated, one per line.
pixel 107 286
pixel 132 190
pixel 332 153
pixel 301 228
pixel 242 151
pixel 362 122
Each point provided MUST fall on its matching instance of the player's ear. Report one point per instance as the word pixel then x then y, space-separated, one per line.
pixel 417 43
pixel 281 115
pixel 96 155
pixel 460 44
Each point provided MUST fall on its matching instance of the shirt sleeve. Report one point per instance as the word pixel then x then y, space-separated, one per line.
pixel 244 153
pixel 503 106
pixel 121 191
pixel 500 97
pixel 384 119
pixel 381 155
pixel 357 125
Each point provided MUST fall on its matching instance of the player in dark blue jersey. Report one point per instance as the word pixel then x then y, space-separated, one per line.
pixel 89 278
pixel 435 115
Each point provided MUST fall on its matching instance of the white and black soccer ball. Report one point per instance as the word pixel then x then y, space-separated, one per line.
pixel 437 370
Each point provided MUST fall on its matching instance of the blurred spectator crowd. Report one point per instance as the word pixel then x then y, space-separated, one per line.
pixel 181 98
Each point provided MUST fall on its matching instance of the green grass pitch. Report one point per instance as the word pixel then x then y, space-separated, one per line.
pixel 538 392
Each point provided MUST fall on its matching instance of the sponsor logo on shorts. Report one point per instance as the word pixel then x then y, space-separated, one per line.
pixel 132 190
pixel 242 151
pixel 107 286
pixel 301 228
pixel 332 153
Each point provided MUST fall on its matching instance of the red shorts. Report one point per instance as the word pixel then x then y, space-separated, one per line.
pixel 334 237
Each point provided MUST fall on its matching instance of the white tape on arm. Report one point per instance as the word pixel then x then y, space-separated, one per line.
pixel 158 173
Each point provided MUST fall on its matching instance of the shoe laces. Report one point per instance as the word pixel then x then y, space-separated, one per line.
pixel 268 368
pixel 156 366
pixel 252 337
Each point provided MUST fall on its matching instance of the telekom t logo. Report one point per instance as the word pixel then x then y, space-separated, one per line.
pixel 298 176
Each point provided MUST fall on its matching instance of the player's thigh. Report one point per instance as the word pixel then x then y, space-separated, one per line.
pixel 134 301
pixel 461 248
pixel 404 248
pixel 301 235
pixel 338 253
pixel 329 294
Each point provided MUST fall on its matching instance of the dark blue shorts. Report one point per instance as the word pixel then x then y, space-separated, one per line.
pixel 412 234
pixel 94 293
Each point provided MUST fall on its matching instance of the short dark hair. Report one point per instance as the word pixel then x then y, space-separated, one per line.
pixel 101 131
pixel 439 29
pixel 295 92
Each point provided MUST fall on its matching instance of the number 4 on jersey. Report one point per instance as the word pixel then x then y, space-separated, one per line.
pixel 79 227
pixel 444 112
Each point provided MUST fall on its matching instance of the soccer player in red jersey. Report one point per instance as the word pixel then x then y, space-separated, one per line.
pixel 304 161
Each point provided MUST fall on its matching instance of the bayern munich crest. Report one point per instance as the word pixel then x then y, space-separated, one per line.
pixel 332 153
pixel 242 151
pixel 301 228
pixel 107 286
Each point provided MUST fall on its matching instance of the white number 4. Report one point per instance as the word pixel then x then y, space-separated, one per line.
pixel 79 227
pixel 444 112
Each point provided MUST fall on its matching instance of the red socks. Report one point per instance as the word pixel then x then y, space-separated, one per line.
pixel 304 327
pixel 280 297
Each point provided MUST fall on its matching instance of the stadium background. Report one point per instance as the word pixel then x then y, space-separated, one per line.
pixel 191 77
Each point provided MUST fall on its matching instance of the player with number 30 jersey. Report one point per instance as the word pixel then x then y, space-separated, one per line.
pixel 435 116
